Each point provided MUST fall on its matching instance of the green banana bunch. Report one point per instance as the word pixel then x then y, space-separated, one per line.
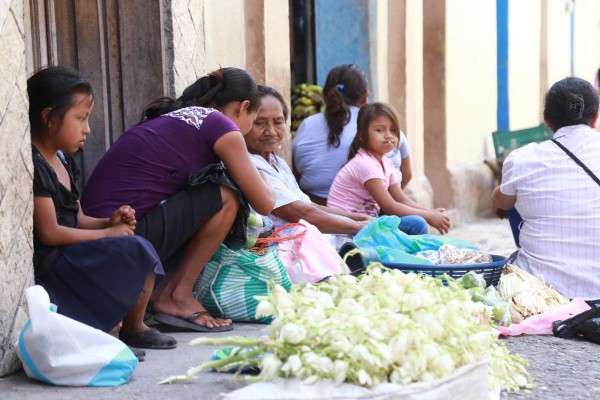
pixel 307 99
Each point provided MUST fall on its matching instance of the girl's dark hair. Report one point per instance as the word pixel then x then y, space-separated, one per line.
pixel 366 114
pixel 213 90
pixel 346 85
pixel 570 101
pixel 269 91
pixel 53 87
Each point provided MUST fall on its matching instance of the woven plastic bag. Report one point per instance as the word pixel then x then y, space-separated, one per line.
pixel 61 351
pixel 232 278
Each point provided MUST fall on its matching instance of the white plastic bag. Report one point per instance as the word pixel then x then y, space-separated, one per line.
pixel 61 351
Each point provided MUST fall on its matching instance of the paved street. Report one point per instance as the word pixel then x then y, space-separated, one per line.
pixel 563 369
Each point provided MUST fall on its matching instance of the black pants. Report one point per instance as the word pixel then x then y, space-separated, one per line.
pixel 169 226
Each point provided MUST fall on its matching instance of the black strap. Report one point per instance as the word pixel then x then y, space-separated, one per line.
pixel 578 161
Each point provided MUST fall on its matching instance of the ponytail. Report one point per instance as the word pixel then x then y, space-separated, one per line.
pixel 158 107
pixel 216 89
pixel 337 115
pixel 346 86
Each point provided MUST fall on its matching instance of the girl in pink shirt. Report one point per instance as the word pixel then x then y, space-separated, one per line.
pixel 367 183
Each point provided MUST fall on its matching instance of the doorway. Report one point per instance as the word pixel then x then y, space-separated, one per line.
pixel 117 44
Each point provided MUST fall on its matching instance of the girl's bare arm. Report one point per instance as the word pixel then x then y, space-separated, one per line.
pixel 325 221
pixel 390 206
pixel 50 233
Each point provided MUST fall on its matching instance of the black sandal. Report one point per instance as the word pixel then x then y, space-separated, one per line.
pixel 150 339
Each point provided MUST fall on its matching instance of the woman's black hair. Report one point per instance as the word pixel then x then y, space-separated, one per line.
pixel 365 116
pixel 570 101
pixel 53 87
pixel 346 85
pixel 213 90
pixel 269 91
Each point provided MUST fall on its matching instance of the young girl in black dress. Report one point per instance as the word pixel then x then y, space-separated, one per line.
pixel 95 270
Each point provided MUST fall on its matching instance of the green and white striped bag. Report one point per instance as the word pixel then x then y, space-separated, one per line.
pixel 232 278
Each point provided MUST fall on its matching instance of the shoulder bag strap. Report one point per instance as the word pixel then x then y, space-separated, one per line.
pixel 578 161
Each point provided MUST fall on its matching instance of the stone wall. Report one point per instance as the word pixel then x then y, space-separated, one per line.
pixel 472 186
pixel 199 43
pixel 15 183
pixel 256 39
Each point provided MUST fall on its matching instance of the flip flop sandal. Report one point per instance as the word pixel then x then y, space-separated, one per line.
pixel 187 324
pixel 149 316
pixel 150 339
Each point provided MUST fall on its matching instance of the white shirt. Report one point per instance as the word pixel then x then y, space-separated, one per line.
pixel 560 206
pixel 282 181
pixel 399 154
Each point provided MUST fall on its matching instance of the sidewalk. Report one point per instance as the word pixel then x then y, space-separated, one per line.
pixel 563 369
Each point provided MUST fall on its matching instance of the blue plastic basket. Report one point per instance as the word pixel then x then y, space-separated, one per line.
pixel 491 271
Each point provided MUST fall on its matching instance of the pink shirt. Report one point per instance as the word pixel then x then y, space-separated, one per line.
pixel 348 192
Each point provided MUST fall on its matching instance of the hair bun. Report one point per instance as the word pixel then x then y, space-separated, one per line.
pixel 575 106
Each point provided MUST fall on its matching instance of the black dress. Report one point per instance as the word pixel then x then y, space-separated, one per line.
pixel 95 282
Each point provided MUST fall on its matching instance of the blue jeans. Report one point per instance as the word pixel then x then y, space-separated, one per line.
pixel 515 221
pixel 413 225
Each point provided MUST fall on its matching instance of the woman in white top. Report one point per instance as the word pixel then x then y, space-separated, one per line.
pixel 291 203
pixel 320 147
pixel 400 157
pixel 558 201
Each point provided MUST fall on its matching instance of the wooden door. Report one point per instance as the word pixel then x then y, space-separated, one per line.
pixel 117 44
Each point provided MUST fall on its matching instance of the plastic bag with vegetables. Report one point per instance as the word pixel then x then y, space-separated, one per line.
pixel 450 254
pixel 476 286
pixel 500 308
pixel 253 228
pixel 472 279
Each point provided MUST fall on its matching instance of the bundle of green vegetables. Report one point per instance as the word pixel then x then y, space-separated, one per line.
pixel 384 326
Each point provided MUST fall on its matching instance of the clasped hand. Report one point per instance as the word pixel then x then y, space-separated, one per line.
pixel 439 220
pixel 123 221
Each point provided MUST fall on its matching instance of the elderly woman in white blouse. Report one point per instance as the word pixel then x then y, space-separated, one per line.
pixel 291 203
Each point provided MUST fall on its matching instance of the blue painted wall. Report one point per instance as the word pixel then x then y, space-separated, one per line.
pixel 341 35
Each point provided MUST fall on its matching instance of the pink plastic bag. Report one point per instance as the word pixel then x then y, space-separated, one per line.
pixel 306 253
pixel 541 324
